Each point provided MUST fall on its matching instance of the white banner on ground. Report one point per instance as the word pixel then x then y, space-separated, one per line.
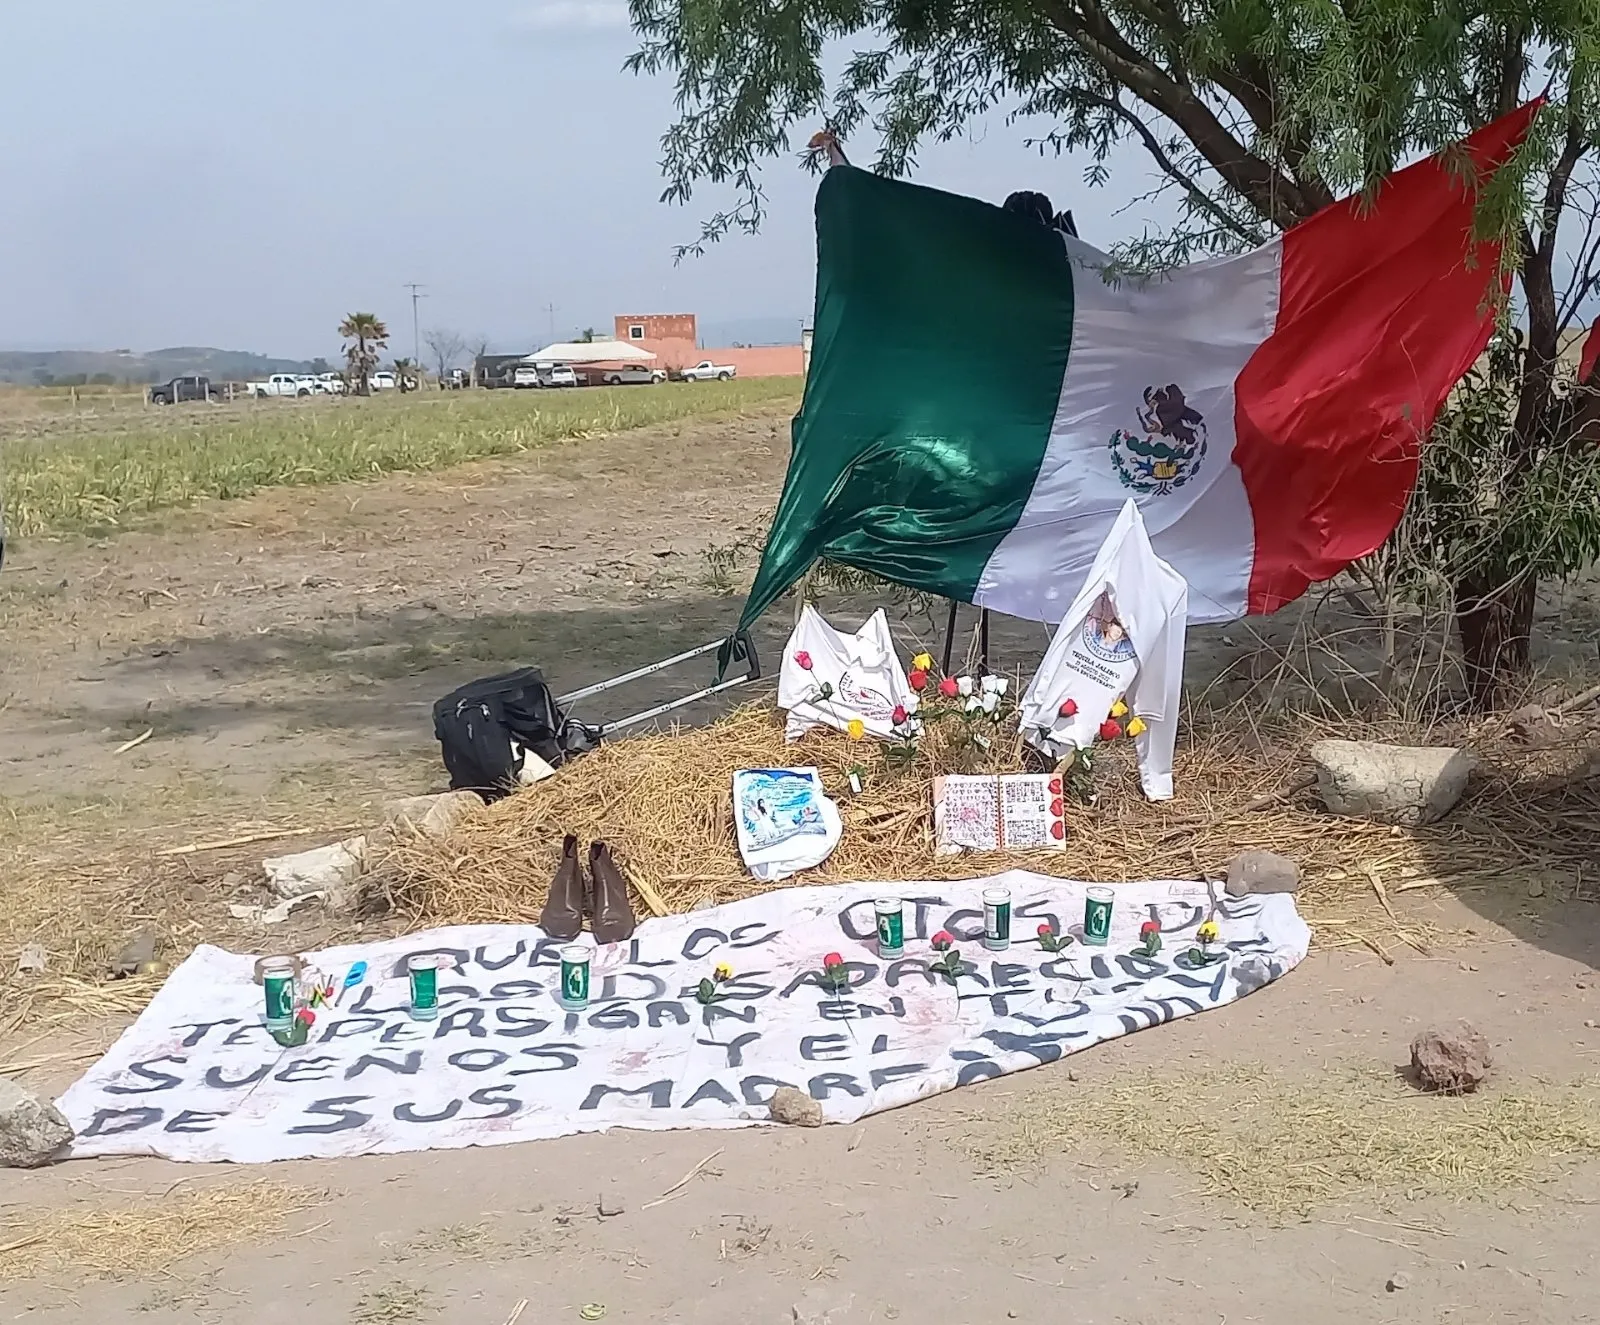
pixel 198 1078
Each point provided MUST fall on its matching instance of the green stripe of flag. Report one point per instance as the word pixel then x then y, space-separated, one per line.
pixel 942 331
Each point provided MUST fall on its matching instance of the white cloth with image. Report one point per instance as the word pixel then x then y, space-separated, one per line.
pixel 1121 638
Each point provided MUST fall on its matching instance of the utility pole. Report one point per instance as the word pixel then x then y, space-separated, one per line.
pixel 551 310
pixel 416 334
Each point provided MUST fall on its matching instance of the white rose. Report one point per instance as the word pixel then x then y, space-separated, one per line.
pixel 964 685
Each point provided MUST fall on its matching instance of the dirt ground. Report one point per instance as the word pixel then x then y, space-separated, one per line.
pixel 283 652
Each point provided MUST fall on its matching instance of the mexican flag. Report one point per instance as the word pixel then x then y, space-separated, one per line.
pixel 986 392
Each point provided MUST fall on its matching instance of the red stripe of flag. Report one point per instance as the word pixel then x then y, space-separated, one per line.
pixel 1381 311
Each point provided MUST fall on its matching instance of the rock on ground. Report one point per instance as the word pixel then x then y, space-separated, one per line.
pixel 1262 872
pixel 136 954
pixel 433 816
pixel 334 870
pixel 1535 726
pixel 794 1107
pixel 32 1131
pixel 1397 784
pixel 1454 1062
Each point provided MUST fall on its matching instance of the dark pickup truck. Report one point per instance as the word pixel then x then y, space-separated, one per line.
pixel 183 388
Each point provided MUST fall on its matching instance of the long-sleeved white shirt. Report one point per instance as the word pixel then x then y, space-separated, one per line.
pixel 1121 638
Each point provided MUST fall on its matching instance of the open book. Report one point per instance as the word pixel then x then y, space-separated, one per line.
pixel 1002 812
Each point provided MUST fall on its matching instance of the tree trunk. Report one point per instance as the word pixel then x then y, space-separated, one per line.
pixel 1494 619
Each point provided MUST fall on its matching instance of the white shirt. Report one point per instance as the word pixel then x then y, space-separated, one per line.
pixel 1121 638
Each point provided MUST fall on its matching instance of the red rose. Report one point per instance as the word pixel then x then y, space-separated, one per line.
pixel 804 659
pixel 1044 927
pixel 948 687
pixel 918 678
pixel 942 940
pixel 1148 928
pixel 1109 730
pixel 1069 708
pixel 831 960
pixel 306 1015
pixel 899 715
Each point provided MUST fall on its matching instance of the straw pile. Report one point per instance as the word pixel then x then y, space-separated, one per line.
pixel 1285 1147
pixel 151 1235
pixel 664 803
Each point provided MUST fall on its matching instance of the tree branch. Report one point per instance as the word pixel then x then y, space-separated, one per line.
pixel 1202 200
pixel 1276 198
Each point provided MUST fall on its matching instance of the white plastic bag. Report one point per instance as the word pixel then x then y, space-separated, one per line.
pixel 783 821
pixel 828 678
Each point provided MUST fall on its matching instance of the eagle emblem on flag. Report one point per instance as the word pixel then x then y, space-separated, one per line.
pixel 1169 453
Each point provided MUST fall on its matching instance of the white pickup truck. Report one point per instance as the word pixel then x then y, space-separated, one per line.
pixel 629 375
pixel 706 371
pixel 283 384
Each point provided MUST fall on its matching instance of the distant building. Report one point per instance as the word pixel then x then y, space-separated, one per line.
pixel 658 326
pixel 674 338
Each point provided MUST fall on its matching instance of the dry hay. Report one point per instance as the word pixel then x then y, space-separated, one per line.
pixel 664 803
pixel 151 1234
pixel 1286 1147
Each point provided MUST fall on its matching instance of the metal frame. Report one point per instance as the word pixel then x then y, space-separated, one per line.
pixel 740 649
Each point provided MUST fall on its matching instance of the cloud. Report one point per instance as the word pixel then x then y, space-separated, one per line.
pixel 571 16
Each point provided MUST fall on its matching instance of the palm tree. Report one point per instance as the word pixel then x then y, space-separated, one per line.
pixel 407 374
pixel 367 335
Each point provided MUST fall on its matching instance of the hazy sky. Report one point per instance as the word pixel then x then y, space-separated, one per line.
pixel 240 173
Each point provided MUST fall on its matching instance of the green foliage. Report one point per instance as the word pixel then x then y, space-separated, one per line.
pixel 1485 503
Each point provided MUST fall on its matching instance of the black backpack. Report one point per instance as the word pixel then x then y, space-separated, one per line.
pixel 477 725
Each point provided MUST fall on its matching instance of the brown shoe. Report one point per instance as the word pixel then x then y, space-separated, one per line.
pixel 613 916
pixel 562 917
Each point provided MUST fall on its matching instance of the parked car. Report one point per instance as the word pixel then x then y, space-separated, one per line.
pixel 382 382
pixel 706 371
pixel 331 384
pixel 183 388
pixel 457 379
pixel 543 374
pixel 283 384
pixel 633 374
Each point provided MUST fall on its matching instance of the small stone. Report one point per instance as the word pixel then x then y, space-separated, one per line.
pixel 138 952
pixel 1262 872
pixel 794 1107
pixel 433 816
pixel 1536 888
pixel 32 959
pixel 1454 1062
pixel 1534 726
pixel 1589 1025
pixel 232 881
pixel 610 1205
pixel 1397 1283
pixel 32 1131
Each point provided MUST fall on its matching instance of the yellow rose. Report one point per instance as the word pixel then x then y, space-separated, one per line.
pixel 856 728
pixel 1207 933
pixel 922 662
pixel 1136 727
pixel 723 971
pixel 1119 710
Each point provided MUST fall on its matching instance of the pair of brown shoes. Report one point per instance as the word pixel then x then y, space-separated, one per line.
pixel 604 898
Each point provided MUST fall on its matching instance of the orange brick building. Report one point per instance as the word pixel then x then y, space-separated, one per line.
pixel 674 339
